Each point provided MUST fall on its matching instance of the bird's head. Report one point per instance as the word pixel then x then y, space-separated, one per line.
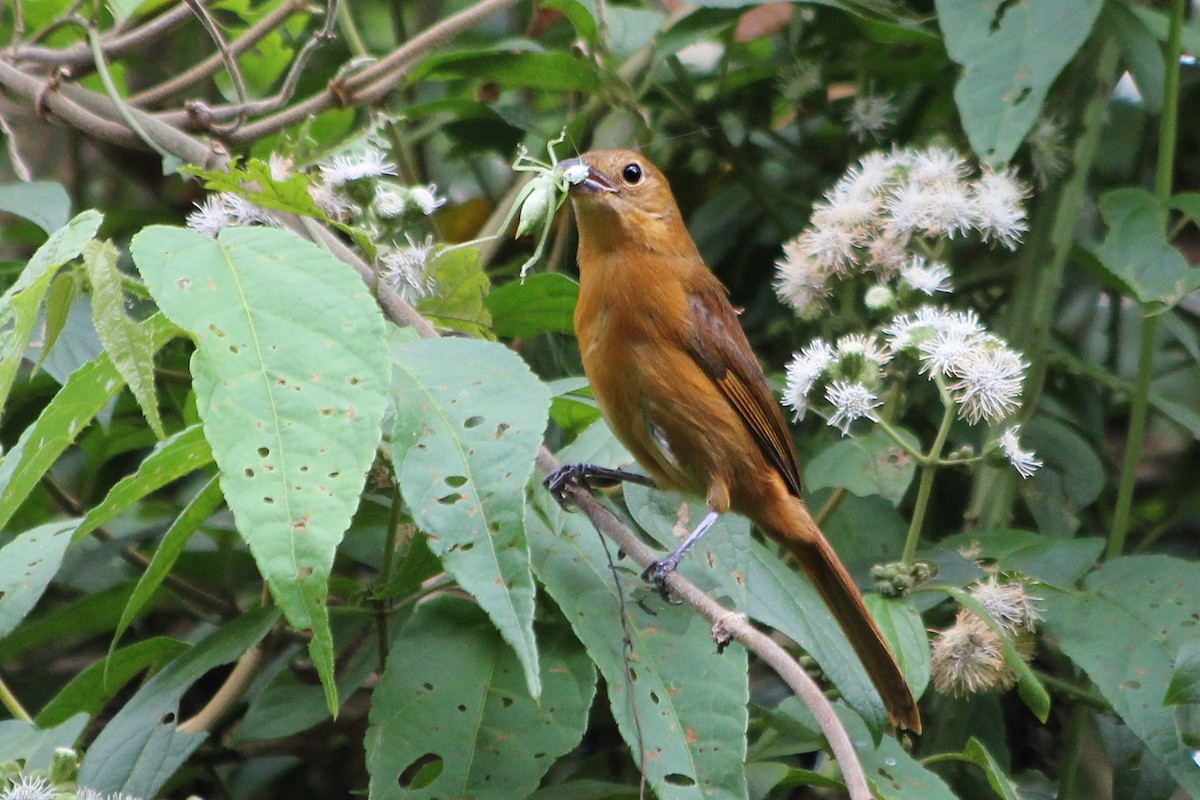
pixel 624 199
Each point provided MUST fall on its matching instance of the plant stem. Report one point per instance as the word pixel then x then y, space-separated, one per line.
pixel 925 489
pixel 1168 133
pixel 383 607
pixel 10 702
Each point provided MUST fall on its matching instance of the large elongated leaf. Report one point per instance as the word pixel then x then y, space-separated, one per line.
pixel 679 705
pixel 86 392
pixel 19 305
pixel 469 420
pixel 137 751
pixel 126 342
pixel 1125 631
pixel 291 374
pixel 1010 54
pixel 476 722
pixel 27 565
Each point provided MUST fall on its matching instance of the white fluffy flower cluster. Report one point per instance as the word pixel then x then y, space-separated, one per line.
pixel 877 214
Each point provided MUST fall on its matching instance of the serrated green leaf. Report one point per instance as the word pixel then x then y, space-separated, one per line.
pixel 253 180
pixel 785 600
pixel 126 342
pixel 469 421
pixel 902 626
pixel 27 565
pixel 1125 630
pixel 291 373
pixel 870 465
pixel 462 289
pixel 1136 250
pixel 1185 679
pixel 490 738
pixel 44 203
pixel 544 302
pixel 64 290
pixel 100 681
pixel 137 752
pixel 1010 54
pixel 690 702
pixel 1058 562
pixel 19 305
pixel 193 515
pixel 183 453
pixel 35 746
pixel 86 392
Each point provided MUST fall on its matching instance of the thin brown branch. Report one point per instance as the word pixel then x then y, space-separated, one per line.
pixel 230 60
pixel 190 77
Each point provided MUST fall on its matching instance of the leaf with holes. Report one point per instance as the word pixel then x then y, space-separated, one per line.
pixel 86 392
pixel 892 772
pixel 469 421
pixel 126 342
pixel 19 305
pixel 872 464
pixel 473 730
pixel 291 373
pixel 27 565
pixel 1125 631
pixel 680 707
pixel 1010 54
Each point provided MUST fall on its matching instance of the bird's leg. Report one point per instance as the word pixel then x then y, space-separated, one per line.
pixel 660 569
pixel 591 476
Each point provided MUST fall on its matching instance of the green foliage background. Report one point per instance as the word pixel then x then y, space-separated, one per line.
pixel 263 538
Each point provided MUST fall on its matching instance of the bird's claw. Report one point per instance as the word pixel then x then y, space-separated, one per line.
pixel 657 574
pixel 560 479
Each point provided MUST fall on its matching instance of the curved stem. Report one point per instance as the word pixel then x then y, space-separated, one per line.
pixel 12 704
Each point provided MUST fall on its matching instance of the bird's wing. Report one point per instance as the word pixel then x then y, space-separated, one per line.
pixel 719 345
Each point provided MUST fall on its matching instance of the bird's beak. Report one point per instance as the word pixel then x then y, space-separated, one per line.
pixel 595 181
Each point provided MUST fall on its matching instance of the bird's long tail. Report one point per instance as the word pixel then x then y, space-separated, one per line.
pixel 823 567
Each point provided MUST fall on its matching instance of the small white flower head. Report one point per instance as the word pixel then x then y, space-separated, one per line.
pixel 803 372
pixel 989 383
pixel 243 212
pixel 280 166
pixel 955 335
pixel 328 199
pixel 846 211
pixel 831 247
pixel 936 165
pixel 969 658
pixel 406 268
pixel 1048 150
pixel 800 79
pixel 369 163
pixel 887 253
pixel 28 787
pixel 1025 462
pixel 390 203
pixel 874 172
pixel 870 115
pixel 851 401
pixel 802 283
pixel 999 206
pixel 425 198
pixel 879 298
pixel 861 347
pixel 1009 604
pixel 209 217
pixel 927 278
pixel 88 793
pixel 944 208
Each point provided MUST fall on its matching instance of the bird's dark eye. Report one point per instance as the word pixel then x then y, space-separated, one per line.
pixel 632 173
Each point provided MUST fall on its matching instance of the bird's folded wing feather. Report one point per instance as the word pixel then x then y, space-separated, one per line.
pixel 719 345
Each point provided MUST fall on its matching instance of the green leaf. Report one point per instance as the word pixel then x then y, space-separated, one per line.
pixel 785 600
pixel 193 515
pixel 548 72
pixel 474 727
pixel 182 454
pixel 690 725
pixel 1059 562
pixel 902 626
pixel 1185 679
pixel 100 681
pixel 469 421
pixel 44 203
pixel 462 289
pixel 34 745
pixel 976 753
pixel 543 302
pixel 1136 250
pixel 86 392
pixel 126 342
pixel 1010 54
pixel 1126 631
pixel 891 771
pixel 1175 393
pixel 89 615
pixel 27 565
pixel 291 373
pixel 137 752
pixel 1143 55
pixel 1070 480
pixel 870 465
pixel 63 292
pixel 19 305
pixel 253 180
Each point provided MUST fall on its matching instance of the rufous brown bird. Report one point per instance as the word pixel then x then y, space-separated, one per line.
pixel 680 387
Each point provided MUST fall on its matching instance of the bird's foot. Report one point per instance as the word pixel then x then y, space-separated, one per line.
pixel 657 574
pixel 565 476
